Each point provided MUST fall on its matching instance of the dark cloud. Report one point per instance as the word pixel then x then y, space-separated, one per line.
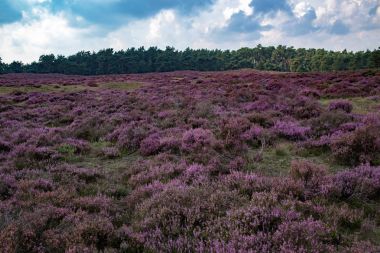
pixel 302 25
pixel 242 23
pixel 115 13
pixel 242 27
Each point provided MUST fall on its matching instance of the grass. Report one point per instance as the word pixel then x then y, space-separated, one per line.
pixel 112 183
pixel 276 160
pixel 120 86
pixel 50 88
pixel 361 105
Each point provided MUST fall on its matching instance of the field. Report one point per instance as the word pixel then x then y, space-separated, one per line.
pixel 235 161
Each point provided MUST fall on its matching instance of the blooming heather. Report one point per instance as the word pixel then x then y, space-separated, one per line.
pixel 235 161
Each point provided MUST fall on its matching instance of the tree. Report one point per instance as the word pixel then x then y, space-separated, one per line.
pixel 2 67
pixel 15 67
pixel 141 60
pixel 46 63
pixel 374 60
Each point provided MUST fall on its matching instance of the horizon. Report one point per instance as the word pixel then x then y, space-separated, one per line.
pixel 30 28
pixel 182 50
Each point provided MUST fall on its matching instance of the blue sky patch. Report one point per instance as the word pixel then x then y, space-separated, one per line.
pixel 8 12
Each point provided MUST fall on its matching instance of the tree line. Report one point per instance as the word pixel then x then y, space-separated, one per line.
pixel 153 59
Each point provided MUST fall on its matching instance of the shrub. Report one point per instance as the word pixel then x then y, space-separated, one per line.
pixel 306 171
pixel 264 119
pixel 362 182
pixel 94 204
pixel 329 122
pixel 291 130
pixel 196 173
pixel 4 146
pixel 91 129
pixel 304 236
pixel 360 146
pixel 195 140
pixel 306 108
pixel 110 152
pixel 88 175
pixel 7 187
pixel 130 135
pixel 79 146
pixel 32 232
pixel 234 131
pixel 253 135
pixel 97 232
pixel 343 105
pixel 150 145
pixel 311 175
pixel 162 172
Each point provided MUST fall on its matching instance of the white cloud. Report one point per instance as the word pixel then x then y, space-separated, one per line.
pixel 42 32
pixel 48 33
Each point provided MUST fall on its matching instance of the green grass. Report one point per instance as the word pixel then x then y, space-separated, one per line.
pixel 43 88
pixel 361 105
pixel 112 183
pixel 49 88
pixel 276 160
pixel 121 86
pixel 66 149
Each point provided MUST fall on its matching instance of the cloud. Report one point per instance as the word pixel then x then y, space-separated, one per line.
pixel 67 26
pixel 113 13
pixel 242 23
pixel 339 28
pixel 41 32
pixel 303 24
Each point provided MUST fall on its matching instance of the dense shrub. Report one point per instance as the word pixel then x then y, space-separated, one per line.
pixel 197 140
pixel 211 171
pixel 306 108
pixel 360 146
pixel 310 174
pixel 130 135
pixel 329 122
pixel 343 105
pixel 362 182
pixel 235 131
pixel 291 129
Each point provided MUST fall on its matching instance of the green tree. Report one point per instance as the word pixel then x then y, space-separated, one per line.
pixel 2 66
pixel 374 61
pixel 15 67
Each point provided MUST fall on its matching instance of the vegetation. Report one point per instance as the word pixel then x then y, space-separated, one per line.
pixel 234 161
pixel 143 60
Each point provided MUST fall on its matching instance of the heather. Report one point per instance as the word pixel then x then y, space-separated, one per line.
pixel 235 161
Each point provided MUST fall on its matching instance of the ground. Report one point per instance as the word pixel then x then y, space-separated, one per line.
pixel 190 161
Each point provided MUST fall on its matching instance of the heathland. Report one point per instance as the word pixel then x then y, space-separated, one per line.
pixel 233 161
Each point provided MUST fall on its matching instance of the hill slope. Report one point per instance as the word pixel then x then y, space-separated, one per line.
pixel 230 161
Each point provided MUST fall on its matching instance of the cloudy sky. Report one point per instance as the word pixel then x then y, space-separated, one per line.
pixel 29 28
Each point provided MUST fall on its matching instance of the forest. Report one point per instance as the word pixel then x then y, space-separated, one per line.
pixel 153 59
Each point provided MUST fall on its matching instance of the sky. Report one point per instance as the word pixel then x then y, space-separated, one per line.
pixel 30 28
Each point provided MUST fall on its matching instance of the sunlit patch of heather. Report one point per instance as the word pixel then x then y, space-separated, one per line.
pixel 291 129
pixel 195 140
